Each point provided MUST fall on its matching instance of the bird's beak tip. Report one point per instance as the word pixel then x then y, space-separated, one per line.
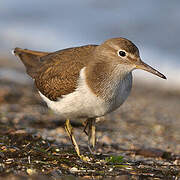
pixel 164 77
pixel 148 68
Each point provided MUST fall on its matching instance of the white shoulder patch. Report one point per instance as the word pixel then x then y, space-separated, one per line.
pixel 82 103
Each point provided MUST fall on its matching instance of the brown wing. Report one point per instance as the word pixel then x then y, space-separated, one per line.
pixel 58 72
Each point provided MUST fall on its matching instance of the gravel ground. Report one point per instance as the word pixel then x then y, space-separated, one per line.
pixel 144 131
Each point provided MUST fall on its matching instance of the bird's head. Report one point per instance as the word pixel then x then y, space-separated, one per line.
pixel 123 52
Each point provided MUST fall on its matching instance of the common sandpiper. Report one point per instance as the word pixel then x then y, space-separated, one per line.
pixel 85 82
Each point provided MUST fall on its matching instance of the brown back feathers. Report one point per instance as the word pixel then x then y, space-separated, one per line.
pixel 56 73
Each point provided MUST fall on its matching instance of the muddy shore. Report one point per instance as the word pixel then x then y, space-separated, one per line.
pixel 144 131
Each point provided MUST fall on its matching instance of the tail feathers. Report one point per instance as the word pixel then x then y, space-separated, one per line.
pixel 38 53
pixel 31 59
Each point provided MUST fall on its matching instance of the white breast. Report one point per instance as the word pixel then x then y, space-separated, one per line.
pixel 83 103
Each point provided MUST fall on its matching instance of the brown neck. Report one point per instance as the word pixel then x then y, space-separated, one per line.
pixel 102 76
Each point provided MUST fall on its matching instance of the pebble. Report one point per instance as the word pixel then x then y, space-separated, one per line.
pixel 159 129
pixel 31 171
pixel 105 139
pixel 74 169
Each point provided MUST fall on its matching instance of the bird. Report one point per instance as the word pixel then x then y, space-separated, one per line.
pixel 86 82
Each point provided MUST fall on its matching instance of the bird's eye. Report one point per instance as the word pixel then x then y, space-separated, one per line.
pixel 122 53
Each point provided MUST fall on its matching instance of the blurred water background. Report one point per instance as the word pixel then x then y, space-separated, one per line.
pixel 45 25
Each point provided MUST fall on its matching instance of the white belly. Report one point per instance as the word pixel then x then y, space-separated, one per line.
pixel 83 103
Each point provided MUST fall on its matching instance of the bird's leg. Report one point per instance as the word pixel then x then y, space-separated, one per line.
pixel 85 126
pixel 91 132
pixel 69 131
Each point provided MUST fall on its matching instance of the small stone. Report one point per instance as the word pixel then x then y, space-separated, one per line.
pixel 150 152
pixel 105 139
pixel 57 150
pixel 31 171
pixel 9 161
pixel 158 129
pixel 60 130
pixel 20 131
pixel 110 169
pixel 176 162
pixel 74 169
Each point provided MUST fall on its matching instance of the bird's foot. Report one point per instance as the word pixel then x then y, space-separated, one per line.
pixel 69 131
